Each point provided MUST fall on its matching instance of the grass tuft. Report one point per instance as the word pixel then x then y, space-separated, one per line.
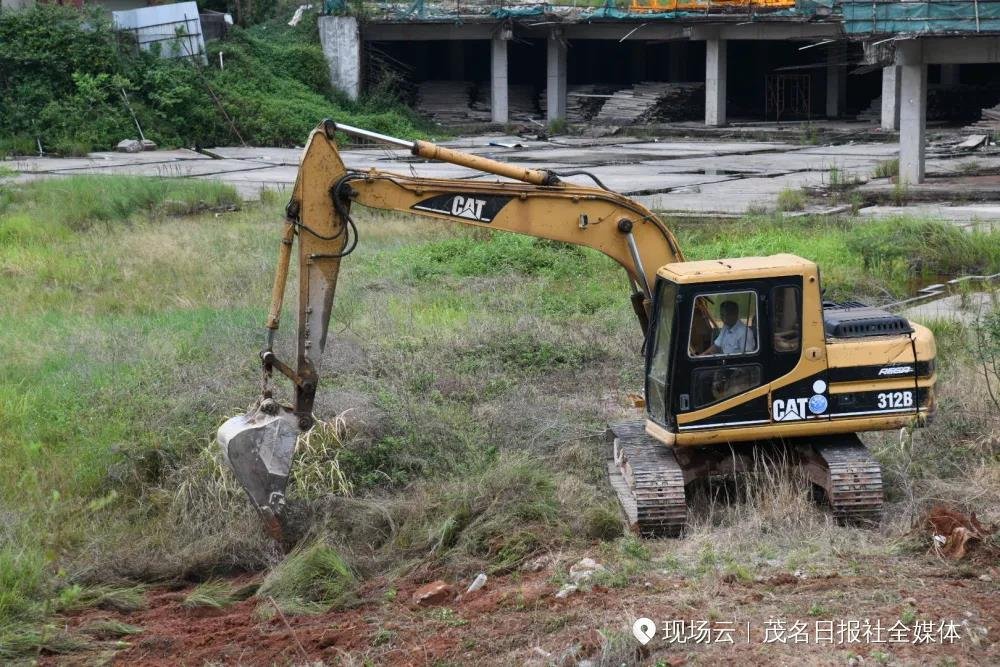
pixel 886 169
pixel 123 599
pixel 215 594
pixel 110 628
pixel 312 577
pixel 791 199
pixel 24 641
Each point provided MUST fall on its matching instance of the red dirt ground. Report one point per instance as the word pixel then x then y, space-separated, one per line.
pixel 515 619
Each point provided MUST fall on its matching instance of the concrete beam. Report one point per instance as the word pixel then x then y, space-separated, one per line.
pixel 958 50
pixel 498 79
pixel 423 32
pixel 715 82
pixel 555 80
pixel 890 98
pixel 765 31
pixel 341 44
pixel 621 30
pixel 912 112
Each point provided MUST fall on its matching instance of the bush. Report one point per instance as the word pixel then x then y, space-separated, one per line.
pixel 923 247
pixel 65 72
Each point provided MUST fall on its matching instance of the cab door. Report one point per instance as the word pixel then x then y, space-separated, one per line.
pixel 722 356
pixel 799 381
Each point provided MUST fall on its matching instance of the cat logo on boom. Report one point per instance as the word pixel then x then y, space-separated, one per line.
pixel 472 206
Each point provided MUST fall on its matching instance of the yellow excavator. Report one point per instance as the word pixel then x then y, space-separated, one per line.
pixel 741 355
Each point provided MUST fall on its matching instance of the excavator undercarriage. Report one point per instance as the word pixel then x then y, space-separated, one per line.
pixel 650 478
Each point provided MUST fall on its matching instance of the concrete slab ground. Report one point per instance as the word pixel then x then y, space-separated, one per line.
pixel 714 175
pixel 956 308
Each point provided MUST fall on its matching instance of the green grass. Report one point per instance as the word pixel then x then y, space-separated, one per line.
pixel 471 373
pixel 886 169
pixel 858 258
pixel 791 199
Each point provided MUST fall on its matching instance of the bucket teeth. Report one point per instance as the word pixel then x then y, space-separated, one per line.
pixel 259 446
pixel 648 481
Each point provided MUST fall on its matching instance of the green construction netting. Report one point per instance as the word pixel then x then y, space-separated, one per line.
pixel 426 9
pixel 615 14
pixel 921 17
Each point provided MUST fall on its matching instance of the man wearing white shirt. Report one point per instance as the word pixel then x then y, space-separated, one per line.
pixel 735 337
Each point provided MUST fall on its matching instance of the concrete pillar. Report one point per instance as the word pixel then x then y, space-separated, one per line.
pixel 498 81
pixel 555 81
pixel 912 111
pixel 836 84
pixel 890 98
pixel 950 75
pixel 715 82
pixel 341 44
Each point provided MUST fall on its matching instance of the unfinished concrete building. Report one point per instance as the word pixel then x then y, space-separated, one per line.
pixel 682 61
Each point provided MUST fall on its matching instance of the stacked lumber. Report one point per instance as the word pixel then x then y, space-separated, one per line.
pixel 450 102
pixel 521 101
pixel 583 101
pixel 651 101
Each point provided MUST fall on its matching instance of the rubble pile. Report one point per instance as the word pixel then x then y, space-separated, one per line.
pixel 989 121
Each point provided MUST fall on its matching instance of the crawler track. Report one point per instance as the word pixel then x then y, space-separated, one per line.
pixel 852 479
pixel 648 480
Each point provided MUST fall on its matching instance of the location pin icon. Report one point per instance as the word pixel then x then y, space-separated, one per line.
pixel 644 629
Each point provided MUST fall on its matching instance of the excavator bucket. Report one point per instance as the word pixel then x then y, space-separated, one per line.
pixel 259 447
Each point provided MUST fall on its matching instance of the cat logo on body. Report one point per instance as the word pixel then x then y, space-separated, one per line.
pixel 789 409
pixel 792 409
pixel 471 206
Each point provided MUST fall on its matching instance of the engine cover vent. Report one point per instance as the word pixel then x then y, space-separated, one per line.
pixel 857 321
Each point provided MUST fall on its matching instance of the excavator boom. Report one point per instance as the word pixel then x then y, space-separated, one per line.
pixel 260 444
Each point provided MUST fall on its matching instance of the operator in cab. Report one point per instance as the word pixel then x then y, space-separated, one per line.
pixel 735 337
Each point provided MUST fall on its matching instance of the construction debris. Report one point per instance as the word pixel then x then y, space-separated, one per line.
pixel 989 121
pixel 129 146
pixel 477 583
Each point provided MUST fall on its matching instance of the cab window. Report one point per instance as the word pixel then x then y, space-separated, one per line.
pixel 724 325
pixel 787 325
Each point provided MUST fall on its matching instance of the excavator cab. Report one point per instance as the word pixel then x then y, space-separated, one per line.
pixel 745 349
pixel 743 354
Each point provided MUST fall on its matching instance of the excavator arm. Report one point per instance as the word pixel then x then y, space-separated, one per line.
pixel 260 444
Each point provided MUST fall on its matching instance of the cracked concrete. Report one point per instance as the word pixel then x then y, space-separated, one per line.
pixel 691 176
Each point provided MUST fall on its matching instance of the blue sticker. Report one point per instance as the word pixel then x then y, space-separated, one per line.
pixel 817 404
